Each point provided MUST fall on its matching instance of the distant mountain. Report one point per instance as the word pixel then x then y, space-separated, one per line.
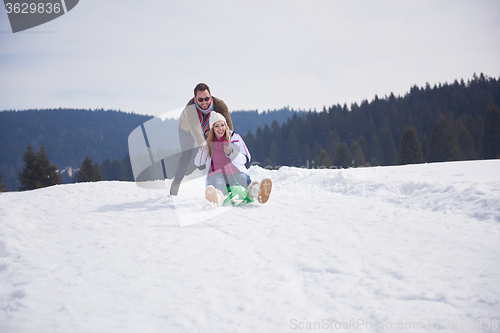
pixel 456 121
pixel 245 121
pixel 67 134
pixel 70 134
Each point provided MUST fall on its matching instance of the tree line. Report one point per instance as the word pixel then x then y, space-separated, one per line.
pixel 39 172
pixel 447 122
pixel 68 135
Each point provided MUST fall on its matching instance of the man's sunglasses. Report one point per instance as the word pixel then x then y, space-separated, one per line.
pixel 201 99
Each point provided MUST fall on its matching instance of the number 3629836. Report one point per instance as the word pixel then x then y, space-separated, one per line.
pixel 32 8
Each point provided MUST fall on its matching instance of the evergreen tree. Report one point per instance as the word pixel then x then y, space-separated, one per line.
pixel 357 154
pixel 305 153
pixel 276 132
pixel 323 160
pixel 267 164
pixel 444 142
pixel 37 172
pixel 410 151
pixel 465 141
pixel 332 148
pixel 365 147
pixel 343 157
pixel 316 149
pixel 47 171
pixel 250 142
pixel 426 148
pixel 260 146
pixel 2 184
pixel 376 150
pixel 126 170
pixel 29 175
pixel 274 153
pixel 107 170
pixel 267 137
pixel 293 149
pixel 388 147
pixel 116 168
pixel 89 171
pixel 491 133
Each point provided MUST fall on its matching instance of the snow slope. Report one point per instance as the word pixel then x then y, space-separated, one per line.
pixel 407 248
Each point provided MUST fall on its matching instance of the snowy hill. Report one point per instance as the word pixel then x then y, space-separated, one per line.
pixel 407 248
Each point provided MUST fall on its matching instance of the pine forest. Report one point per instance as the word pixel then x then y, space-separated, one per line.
pixel 446 122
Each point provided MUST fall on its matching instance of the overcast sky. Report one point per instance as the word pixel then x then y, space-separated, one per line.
pixel 147 56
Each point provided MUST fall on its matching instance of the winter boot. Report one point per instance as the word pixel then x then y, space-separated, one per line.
pixel 260 191
pixel 214 196
pixel 253 189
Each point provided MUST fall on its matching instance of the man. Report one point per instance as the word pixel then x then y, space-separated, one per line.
pixel 194 126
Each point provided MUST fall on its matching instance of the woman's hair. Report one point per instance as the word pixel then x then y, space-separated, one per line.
pixel 211 138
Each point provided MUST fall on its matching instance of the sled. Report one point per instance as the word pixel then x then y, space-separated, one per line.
pixel 237 195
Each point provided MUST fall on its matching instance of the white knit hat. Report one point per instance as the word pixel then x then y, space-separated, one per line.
pixel 215 117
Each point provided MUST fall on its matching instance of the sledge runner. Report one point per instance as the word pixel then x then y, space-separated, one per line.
pixel 223 157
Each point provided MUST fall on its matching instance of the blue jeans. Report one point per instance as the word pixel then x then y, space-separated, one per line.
pixel 218 180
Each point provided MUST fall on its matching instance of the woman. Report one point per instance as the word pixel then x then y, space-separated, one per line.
pixel 223 157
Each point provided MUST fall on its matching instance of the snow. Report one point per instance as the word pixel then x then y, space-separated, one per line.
pixel 404 248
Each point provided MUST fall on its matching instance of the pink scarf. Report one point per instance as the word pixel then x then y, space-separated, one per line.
pixel 220 161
